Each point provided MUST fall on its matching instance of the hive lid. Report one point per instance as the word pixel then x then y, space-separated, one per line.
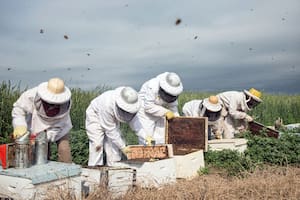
pixel 256 129
pixel 45 173
pixel 187 134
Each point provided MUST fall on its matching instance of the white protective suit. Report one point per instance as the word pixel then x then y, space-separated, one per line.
pixel 234 111
pixel 150 120
pixel 28 111
pixel 192 109
pixel 103 129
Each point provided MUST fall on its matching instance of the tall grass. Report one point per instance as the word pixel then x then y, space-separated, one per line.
pixel 8 95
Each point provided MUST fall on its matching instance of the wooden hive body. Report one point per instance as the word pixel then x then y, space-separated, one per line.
pixel 256 129
pixel 187 134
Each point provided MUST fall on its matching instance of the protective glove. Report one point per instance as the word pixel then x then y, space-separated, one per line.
pixel 149 141
pixel 248 118
pixel 170 115
pixel 218 135
pixel 19 131
pixel 126 150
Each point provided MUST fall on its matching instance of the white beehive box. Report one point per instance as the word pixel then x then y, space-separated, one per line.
pixel 117 180
pixel 239 144
pixel 41 181
pixel 188 136
pixel 187 166
pixel 152 174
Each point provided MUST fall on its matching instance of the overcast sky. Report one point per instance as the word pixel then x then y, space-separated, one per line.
pixel 215 46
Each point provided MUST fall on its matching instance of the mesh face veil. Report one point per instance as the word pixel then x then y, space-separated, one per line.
pixel 127 104
pixel 166 97
pixel 251 102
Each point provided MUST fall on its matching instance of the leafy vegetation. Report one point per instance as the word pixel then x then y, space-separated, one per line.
pixel 8 95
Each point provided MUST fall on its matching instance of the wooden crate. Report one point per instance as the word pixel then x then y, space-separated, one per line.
pixel 187 134
pixel 147 153
pixel 256 128
pixel 118 180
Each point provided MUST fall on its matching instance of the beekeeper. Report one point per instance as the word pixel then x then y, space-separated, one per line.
pixel 103 117
pixel 45 108
pixel 209 107
pixel 159 101
pixel 235 107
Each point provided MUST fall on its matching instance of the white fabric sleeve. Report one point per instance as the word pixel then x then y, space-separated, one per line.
pixel 150 106
pixel 234 112
pixel 191 108
pixel 21 108
pixel 174 108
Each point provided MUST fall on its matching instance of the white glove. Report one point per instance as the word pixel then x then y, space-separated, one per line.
pixel 248 118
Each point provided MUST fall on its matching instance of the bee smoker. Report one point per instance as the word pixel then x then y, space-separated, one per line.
pixel 41 149
pixel 22 151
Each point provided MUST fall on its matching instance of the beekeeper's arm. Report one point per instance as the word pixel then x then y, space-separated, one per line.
pixel 150 106
pixel 21 108
pixel 191 108
pixel 234 112
pixel 173 107
pixel 217 127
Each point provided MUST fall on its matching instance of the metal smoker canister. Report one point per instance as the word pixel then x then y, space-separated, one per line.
pixel 22 158
pixel 41 148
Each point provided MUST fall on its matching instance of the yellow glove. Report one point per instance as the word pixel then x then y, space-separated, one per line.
pixel 218 135
pixel 126 150
pixel 149 141
pixel 19 131
pixel 170 115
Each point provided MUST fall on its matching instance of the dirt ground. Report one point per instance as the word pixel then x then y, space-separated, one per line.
pixel 270 183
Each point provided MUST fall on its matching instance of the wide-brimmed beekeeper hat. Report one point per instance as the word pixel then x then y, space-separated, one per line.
pixel 171 84
pixel 255 94
pixel 54 91
pixel 212 103
pixel 128 100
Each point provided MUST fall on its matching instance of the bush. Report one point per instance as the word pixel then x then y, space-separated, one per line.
pixel 80 147
pixel 233 162
pixel 282 151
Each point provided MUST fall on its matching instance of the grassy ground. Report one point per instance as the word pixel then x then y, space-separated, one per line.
pixel 269 183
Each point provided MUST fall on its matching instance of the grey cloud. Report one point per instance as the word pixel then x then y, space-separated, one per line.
pixel 237 44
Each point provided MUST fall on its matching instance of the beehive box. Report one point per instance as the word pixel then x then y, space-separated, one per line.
pixel 148 153
pixel 152 174
pixel 41 181
pixel 239 144
pixel 187 134
pixel 116 179
pixel 256 128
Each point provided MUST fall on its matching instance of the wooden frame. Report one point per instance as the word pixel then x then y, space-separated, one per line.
pixel 149 153
pixel 187 134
